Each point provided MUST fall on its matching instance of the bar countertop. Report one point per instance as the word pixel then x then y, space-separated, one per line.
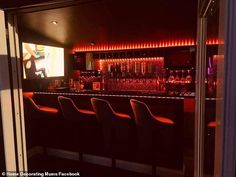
pixel 113 94
pixel 120 94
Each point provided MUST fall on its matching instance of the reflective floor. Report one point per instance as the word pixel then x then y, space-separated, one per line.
pixel 41 163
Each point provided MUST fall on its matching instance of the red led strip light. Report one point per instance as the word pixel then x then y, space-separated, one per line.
pixel 143 45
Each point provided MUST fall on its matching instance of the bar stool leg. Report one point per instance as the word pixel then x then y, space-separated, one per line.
pixel 153 170
pixel 153 155
pixel 81 157
pixel 45 151
pixel 113 163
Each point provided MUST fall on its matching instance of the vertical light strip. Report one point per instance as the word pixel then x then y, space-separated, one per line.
pixel 5 100
pixel 200 99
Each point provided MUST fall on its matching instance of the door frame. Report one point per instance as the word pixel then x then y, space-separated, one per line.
pixel 229 114
pixel 6 101
pixel 229 126
pixel 225 146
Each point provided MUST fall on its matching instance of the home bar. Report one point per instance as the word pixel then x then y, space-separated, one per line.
pixel 162 78
pixel 123 102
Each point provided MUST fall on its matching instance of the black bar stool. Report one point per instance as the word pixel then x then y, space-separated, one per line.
pixel 80 125
pixel 152 132
pixel 39 121
pixel 115 126
pixel 209 146
pixel 71 111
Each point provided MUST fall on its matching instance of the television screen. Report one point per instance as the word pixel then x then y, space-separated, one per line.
pixel 41 61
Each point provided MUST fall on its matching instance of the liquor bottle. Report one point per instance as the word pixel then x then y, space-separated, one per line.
pixel 136 68
pixel 103 83
pixel 123 69
pixel 163 81
pixel 158 83
pixel 115 70
pixel 143 68
pixel 119 70
pixel 112 71
pixel 149 68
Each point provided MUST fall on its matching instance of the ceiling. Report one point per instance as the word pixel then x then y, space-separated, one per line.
pixel 19 3
pixel 109 21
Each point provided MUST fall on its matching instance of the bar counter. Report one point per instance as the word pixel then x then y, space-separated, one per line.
pixel 122 94
pixel 187 99
pixel 159 104
pixel 116 94
pixel 171 107
pixel 181 109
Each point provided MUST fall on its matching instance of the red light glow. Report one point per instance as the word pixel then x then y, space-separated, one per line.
pixel 214 41
pixel 117 60
pixel 103 63
pixel 144 45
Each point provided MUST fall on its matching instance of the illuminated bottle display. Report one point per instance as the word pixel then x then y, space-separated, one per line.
pixel 160 71
pixel 133 74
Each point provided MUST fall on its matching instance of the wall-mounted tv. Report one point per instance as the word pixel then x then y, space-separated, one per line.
pixel 41 61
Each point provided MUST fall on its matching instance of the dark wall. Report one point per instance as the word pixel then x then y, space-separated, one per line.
pixel 114 21
pixel 109 21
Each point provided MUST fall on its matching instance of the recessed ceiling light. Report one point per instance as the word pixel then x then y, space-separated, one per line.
pixel 54 22
pixel 92 43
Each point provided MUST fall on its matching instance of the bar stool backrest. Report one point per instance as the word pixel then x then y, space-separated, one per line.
pixel 29 94
pixel 68 108
pixel 103 109
pixel 142 114
pixel 29 105
pixel 104 114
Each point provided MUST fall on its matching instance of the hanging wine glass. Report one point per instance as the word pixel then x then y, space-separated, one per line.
pixel 171 81
pixel 189 81
pixel 183 79
pixel 177 79
pixel 171 78
pixel 163 81
pixel 189 77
